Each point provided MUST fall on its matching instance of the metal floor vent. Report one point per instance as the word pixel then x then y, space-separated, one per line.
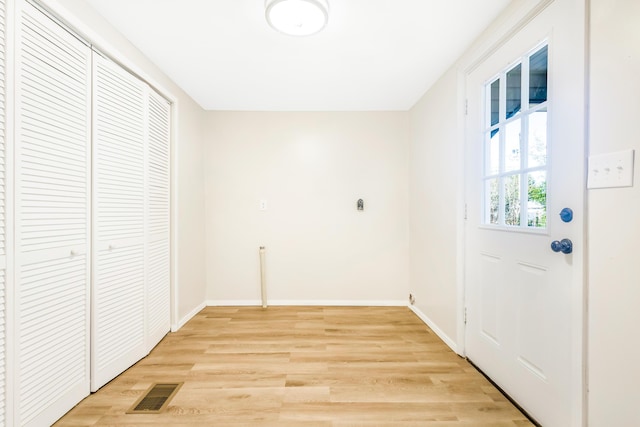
pixel 156 398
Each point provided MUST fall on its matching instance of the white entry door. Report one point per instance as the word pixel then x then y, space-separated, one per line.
pixel 524 163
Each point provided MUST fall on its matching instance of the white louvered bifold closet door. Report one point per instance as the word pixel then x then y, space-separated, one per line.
pixel 158 226
pixel 52 201
pixel 3 221
pixel 119 113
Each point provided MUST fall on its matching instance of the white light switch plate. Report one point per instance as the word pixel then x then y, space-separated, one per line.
pixel 611 170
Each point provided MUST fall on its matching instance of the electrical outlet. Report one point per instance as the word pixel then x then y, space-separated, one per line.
pixel 263 205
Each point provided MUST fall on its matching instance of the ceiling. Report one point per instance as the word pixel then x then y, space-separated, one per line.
pixel 374 55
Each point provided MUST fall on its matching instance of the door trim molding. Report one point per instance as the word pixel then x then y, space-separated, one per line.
pixel 508 35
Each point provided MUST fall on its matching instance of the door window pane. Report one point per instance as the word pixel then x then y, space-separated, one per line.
pixel 493 153
pixel 512 146
pixel 514 90
pixel 492 202
pixel 538 76
pixel 516 145
pixel 537 199
pixel 512 200
pixel 495 102
pixel 537 155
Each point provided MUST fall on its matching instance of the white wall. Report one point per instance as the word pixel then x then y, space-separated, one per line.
pixel 614 218
pixel 311 168
pixel 190 210
pixel 435 177
pixel 436 189
pixel 188 147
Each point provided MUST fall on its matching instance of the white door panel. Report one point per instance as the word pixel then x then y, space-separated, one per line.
pixel 158 225
pixel 118 316
pixel 3 221
pixel 52 149
pixel 118 328
pixel 3 345
pixel 522 298
pixel 158 315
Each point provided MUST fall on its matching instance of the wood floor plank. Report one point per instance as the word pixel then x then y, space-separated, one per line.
pixel 304 367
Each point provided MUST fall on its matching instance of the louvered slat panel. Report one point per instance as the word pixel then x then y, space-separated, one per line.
pixel 118 312
pixel 52 147
pixel 2 168
pixel 158 209
pixel 159 291
pixel 3 221
pixel 3 348
pixel 158 164
pixel 118 152
pixel 119 221
pixel 54 123
pixel 53 320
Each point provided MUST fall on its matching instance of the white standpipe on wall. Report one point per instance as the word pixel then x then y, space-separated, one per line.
pixel 263 281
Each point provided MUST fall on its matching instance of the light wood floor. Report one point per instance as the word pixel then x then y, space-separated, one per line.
pixel 304 367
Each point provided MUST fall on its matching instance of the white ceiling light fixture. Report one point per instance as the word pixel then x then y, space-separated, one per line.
pixel 297 17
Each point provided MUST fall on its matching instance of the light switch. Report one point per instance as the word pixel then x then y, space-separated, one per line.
pixel 263 205
pixel 611 170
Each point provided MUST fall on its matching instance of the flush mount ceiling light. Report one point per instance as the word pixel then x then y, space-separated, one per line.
pixel 297 17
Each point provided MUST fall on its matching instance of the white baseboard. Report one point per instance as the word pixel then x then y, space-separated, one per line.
pixel 189 316
pixel 342 303
pixel 444 337
pixel 233 302
pixel 329 303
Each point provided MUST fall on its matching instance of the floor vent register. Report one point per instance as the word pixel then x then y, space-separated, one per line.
pixel 155 399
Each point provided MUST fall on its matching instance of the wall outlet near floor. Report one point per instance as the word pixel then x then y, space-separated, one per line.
pixel 263 205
